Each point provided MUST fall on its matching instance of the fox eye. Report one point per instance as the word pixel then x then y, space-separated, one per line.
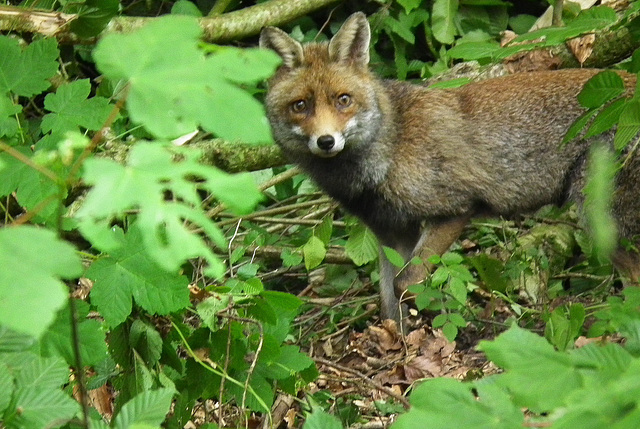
pixel 299 106
pixel 344 100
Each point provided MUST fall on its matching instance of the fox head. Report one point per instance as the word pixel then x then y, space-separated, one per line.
pixel 322 100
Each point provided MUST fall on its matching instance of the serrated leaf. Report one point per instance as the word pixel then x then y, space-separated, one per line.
pixel 93 16
pixel 147 408
pixel 628 126
pixel 324 230
pixel 314 252
pixel 26 71
pixel 43 373
pixel 209 308
pixel 41 408
pixel 6 387
pixel 538 375
pixel 146 341
pixel 458 289
pixel 600 89
pixel 442 20
pixel 606 119
pixel 58 340
pixel 321 420
pixel 451 258
pixel 433 401
pixel 130 272
pixel 174 87
pixel 151 171
pixel 576 128
pixel 393 256
pixel 71 108
pixel 38 260
pixel 473 50
pixel 362 245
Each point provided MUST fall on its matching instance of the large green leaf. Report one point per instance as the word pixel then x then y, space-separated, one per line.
pixel 174 87
pixel 442 20
pixel 26 71
pixel 33 261
pixel 129 272
pixel 147 408
pixel 166 226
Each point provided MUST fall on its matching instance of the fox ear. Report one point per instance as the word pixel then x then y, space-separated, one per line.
pixel 289 49
pixel 351 42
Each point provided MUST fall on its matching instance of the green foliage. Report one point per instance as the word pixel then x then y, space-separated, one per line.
pixel 38 261
pixel 446 291
pixel 174 87
pixel 599 192
pixel 595 386
pixel 181 312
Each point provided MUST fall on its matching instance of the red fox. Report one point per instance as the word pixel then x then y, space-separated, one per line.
pixel 415 164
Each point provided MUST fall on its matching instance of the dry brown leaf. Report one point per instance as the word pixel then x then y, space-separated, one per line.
pixel 582 47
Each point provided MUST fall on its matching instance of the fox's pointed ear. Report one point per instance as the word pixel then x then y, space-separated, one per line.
pixel 351 42
pixel 290 50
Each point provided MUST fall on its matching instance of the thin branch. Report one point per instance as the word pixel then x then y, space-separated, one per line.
pixel 366 380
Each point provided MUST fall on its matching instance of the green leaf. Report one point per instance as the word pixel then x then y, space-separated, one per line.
pixel 6 387
pixel 209 308
pixel 130 272
pixel 629 125
pixel 442 20
pixel 71 109
pixel 450 331
pixel 26 71
pixel 473 50
pixel 151 171
pixel 290 257
pixel 324 230
pixel 433 401
pixel 93 16
pixel 146 341
pixel 409 5
pixel 41 408
pixel 599 192
pixel 490 271
pixel 538 376
pixel 58 340
pixel 314 252
pixel 38 260
pixel 174 87
pixel 8 122
pixel 601 88
pixel 451 258
pixel 147 408
pixel 607 118
pixel 576 128
pixel 321 420
pixel 393 256
pixel 185 7
pixel 362 245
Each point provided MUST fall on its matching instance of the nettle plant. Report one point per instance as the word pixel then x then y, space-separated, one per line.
pixel 131 228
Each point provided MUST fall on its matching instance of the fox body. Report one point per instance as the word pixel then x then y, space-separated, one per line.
pixel 415 164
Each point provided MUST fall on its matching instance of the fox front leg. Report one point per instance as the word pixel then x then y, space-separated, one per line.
pixel 435 239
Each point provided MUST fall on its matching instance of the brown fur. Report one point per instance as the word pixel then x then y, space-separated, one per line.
pixel 438 157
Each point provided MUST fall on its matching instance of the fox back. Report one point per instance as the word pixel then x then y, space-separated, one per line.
pixel 399 155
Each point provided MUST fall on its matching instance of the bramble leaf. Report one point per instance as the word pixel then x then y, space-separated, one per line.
pixel 128 273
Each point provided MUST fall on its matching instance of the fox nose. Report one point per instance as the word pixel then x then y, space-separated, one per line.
pixel 326 142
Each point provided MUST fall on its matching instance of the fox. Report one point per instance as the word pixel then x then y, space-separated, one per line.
pixel 416 164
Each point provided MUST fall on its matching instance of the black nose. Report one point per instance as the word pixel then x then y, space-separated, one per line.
pixel 326 142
